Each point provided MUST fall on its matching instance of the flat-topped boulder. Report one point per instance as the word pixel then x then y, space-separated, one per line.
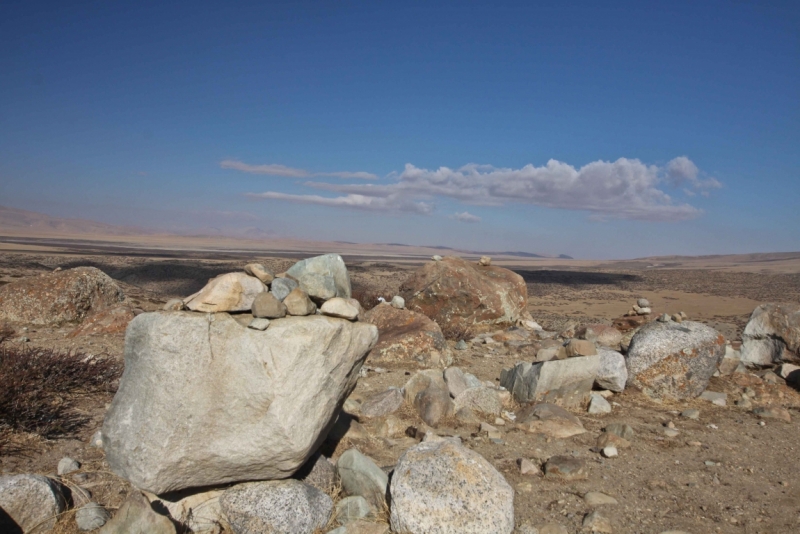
pixel 59 297
pixel 205 400
pixel 465 297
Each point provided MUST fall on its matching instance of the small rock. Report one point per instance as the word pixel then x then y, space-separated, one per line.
pixel 361 476
pixel 265 305
pixel 671 433
pixel 607 439
pixel 485 261
pixel 467 416
pixel 620 429
pixel 259 323
pixel 67 465
pixel 598 405
pixel 458 381
pixel 718 399
pixel 436 257
pixel 565 468
pixel 259 271
pixel 398 302
pixel 596 498
pixel 643 303
pixel 91 516
pixel 297 303
pixel 174 305
pixel 352 508
pixel 526 467
pixel 580 347
pixel 275 506
pixel 339 307
pixel 136 516
pixel 610 452
pixel 744 402
pixel 773 412
pixel 550 420
pixel 281 287
pixel 382 404
pixel 597 523
pixel 434 404
pixel 461 345
pixel 691 414
pixel 664 318
pixel 318 472
pixel 481 399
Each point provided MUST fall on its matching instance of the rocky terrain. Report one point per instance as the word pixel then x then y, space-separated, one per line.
pixel 266 394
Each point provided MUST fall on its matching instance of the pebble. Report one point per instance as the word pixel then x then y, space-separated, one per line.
pixel 67 465
pixel 610 452
pixel 596 498
pixel 773 412
pixel 691 414
pixel 259 323
pixel 598 405
pixel 461 345
pixel 744 402
pixel 671 432
pixel 526 467
pixel 565 468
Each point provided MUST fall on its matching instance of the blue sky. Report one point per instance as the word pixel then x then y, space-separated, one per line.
pixel 595 129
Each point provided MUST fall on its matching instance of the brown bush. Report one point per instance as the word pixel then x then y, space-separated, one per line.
pixel 456 333
pixel 39 388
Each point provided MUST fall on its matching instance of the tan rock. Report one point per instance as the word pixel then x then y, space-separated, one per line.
pixel 265 305
pixel 298 303
pixel 339 307
pixel 259 271
pixel 230 292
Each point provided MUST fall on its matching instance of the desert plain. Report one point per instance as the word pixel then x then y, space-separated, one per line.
pixel 726 471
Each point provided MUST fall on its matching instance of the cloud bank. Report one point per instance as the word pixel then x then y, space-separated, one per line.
pixel 622 189
pixel 273 169
pixel 466 217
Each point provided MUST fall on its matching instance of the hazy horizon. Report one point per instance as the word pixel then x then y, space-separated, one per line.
pixel 626 130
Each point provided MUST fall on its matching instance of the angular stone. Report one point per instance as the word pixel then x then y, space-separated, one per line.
pixel 266 402
pixel 258 323
pixel 407 336
pixel 261 272
pixel 481 399
pixel 772 335
pixel 719 399
pixel 322 277
pixel 267 306
pixel 298 303
pixel 280 506
pixel 598 405
pixel 199 511
pixel 595 522
pixel 382 404
pixel 620 429
pixel 446 488
pixel 674 360
pixel 612 373
pixel 458 381
pixel 526 467
pixel 580 347
pixel 565 468
pixel 550 420
pixel 607 439
pixel 339 307
pixel 30 502
pixel 361 476
pixel 567 382
pixel 136 516
pixel 596 498
pixel 461 296
pixel 58 297
pixel 773 412
pixel 352 508
pixel 281 287
pixel 230 292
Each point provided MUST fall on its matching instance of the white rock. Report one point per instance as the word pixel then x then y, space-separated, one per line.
pixel 67 465
pixel 259 323
pixel 339 307
pixel 612 373
pixel 598 405
pixel 234 403
pixel 610 452
pixel 229 292
pixel 398 302
pixel 443 487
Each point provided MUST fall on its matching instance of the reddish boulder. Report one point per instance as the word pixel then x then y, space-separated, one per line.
pixel 407 336
pixel 107 321
pixel 59 297
pixel 465 297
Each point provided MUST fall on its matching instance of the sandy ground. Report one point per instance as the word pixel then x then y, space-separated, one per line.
pixel 661 483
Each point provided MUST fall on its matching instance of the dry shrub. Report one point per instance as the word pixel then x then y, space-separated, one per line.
pixel 456 332
pixel 39 388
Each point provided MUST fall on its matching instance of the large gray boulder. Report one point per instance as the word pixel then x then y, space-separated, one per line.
pixel 772 335
pixel 613 371
pixel 204 400
pixel 443 487
pixel 674 360
pixel 276 507
pixel 322 277
pixel 30 502
pixel 565 382
pixel 230 292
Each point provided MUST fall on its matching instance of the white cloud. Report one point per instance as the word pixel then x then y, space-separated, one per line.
pixel 282 170
pixel 623 189
pixel 466 217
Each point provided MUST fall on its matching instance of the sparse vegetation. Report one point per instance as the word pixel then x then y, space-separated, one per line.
pixel 39 389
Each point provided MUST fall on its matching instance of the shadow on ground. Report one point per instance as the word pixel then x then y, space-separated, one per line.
pixel 577 278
